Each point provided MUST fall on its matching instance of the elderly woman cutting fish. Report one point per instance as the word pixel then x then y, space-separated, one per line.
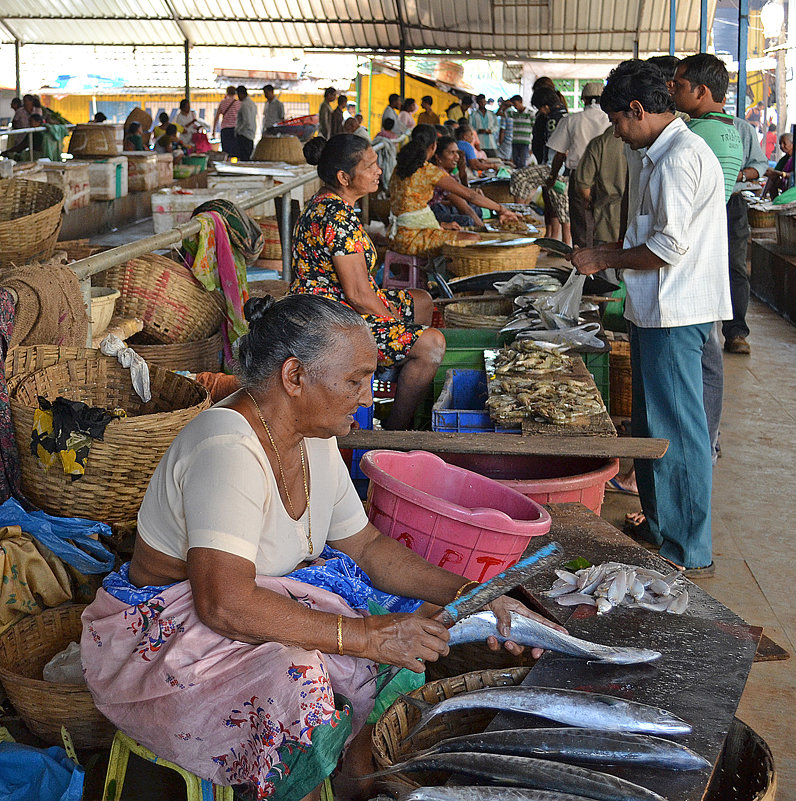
pixel 227 645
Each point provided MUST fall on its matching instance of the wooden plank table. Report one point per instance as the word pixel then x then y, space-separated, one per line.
pixel 707 653
pixel 506 444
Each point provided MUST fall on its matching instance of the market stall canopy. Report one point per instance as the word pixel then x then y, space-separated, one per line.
pixel 509 29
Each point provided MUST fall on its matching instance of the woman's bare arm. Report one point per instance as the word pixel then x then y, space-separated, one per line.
pixel 352 272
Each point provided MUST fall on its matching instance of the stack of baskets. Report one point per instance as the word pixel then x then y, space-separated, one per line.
pixel 182 320
pixel 120 465
pixel 30 220
pixel 477 259
pixel 272 249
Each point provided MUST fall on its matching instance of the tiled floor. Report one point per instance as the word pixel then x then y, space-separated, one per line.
pixel 754 506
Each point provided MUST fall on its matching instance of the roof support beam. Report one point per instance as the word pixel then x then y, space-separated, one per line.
pixel 402 34
pixel 187 46
pixel 17 70
pixel 743 43
pixel 703 26
pixel 672 25
pixel 639 17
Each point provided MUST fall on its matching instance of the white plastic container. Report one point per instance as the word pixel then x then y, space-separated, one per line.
pixel 245 185
pixel 72 179
pixel 108 178
pixel 172 207
pixel 165 169
pixel 142 171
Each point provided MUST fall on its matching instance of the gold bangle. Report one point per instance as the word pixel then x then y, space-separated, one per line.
pixel 340 635
pixel 463 588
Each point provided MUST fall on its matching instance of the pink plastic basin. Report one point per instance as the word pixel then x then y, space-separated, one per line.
pixel 452 517
pixel 546 479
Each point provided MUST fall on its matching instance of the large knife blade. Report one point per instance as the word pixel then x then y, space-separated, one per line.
pixel 478 597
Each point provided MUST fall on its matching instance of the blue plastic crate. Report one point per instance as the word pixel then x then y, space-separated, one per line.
pixel 461 404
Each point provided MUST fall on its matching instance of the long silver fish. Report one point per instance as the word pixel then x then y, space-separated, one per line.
pixel 573 707
pixel 527 772
pixel 584 746
pixel 526 631
pixel 482 793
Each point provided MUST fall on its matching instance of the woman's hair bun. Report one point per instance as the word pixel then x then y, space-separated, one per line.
pixel 313 150
pixel 256 308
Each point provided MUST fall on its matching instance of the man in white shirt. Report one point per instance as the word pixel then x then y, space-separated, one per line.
pixel 569 141
pixel 391 113
pixel 245 125
pixel 274 110
pixel 486 125
pixel 674 260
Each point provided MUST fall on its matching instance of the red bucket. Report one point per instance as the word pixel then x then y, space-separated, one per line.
pixel 452 517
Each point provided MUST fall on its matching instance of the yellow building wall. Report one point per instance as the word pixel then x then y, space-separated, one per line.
pixel 78 108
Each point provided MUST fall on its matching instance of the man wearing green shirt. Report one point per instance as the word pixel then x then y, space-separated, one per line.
pixel 522 119
pixel 699 89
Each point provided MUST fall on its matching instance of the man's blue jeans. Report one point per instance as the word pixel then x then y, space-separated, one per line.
pixel 668 403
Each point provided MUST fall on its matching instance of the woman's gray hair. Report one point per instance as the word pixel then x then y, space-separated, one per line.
pixel 300 326
pixel 788 137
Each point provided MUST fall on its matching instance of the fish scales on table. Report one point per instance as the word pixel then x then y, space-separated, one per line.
pixel 572 707
pixel 613 584
pixel 530 632
pixel 584 746
pixel 528 772
pixel 482 793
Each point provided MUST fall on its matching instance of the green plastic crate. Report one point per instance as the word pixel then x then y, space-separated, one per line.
pixel 465 351
pixel 598 365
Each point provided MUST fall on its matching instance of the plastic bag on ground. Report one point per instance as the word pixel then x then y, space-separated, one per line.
pixel 38 774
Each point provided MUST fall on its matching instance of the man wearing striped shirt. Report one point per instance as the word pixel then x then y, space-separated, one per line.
pixel 673 260
pixel 228 112
pixel 522 120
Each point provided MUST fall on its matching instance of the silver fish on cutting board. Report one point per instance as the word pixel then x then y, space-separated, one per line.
pixel 584 746
pixel 529 632
pixel 572 707
pixel 527 772
pixel 482 793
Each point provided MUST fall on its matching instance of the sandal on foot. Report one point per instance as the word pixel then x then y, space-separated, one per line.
pixel 614 485
pixel 637 529
pixel 693 572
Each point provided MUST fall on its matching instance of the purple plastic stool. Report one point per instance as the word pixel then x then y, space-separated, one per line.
pixel 403 272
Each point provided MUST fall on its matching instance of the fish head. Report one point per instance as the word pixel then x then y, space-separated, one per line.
pixel 668 723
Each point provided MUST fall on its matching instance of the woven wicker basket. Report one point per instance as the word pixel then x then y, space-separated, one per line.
pixel 489 314
pixel 279 148
pixel 620 378
pixel 174 306
pixel 23 360
pixel 464 260
pixel 475 656
pixel 120 465
pixel 761 218
pixel 77 249
pixel 30 220
pixel 195 357
pixel 273 242
pixel 43 705
pixel 499 192
pixel 388 742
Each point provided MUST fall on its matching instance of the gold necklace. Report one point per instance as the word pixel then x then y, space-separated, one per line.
pixel 308 533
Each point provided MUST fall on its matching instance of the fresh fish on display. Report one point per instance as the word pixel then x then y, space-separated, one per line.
pixel 586 746
pixel 613 584
pixel 528 772
pixel 529 632
pixel 573 707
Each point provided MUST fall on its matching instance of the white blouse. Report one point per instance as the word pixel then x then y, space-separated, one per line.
pixel 214 488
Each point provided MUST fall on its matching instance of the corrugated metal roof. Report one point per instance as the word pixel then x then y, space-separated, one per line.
pixel 512 29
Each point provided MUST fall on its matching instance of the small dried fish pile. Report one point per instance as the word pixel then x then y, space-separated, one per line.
pixel 514 226
pixel 559 401
pixel 527 358
pixel 613 584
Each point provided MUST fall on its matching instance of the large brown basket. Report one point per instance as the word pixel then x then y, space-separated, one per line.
pixel 489 314
pixel 620 377
pixel 30 220
pixel 23 360
pixel 464 260
pixel 45 706
pixel 499 192
pixel 761 218
pixel 120 465
pixel 195 357
pixel 279 148
pixel 388 741
pixel 174 306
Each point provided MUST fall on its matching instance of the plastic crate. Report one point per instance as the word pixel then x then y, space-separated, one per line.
pixel 460 406
pixel 465 350
pixel 598 365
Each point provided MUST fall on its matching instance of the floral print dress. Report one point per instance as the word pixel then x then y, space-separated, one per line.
pixel 329 227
